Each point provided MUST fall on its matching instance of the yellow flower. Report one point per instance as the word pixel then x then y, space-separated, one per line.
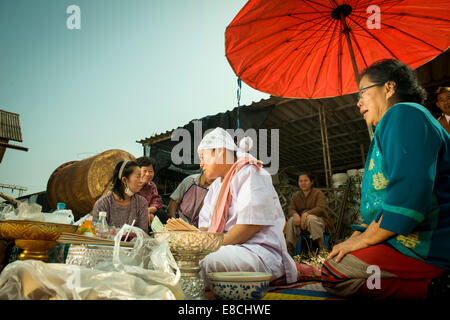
pixel 379 181
pixel 410 241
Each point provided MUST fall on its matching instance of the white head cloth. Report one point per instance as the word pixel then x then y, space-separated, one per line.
pixel 219 138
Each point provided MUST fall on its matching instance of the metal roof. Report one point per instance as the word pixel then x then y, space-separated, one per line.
pixel 10 126
pixel 301 138
pixel 300 142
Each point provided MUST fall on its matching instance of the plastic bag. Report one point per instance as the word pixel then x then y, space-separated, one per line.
pixel 36 280
pixel 7 212
pixel 147 271
pixel 30 212
pixel 80 221
pixel 148 254
pixel 60 216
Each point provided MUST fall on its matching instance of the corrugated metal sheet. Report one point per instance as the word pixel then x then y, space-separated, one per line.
pixel 10 126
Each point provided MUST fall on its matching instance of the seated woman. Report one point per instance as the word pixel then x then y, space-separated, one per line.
pixel 149 190
pixel 404 241
pixel 243 203
pixel 123 205
pixel 307 214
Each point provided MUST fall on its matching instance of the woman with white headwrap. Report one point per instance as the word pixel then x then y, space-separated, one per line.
pixel 243 203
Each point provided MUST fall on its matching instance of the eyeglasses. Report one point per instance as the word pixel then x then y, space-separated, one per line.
pixel 444 98
pixel 361 91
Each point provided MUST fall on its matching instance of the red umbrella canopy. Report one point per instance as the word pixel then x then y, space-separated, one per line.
pixel 303 48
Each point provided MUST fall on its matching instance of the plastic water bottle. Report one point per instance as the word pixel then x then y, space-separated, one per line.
pixel 62 215
pixel 101 226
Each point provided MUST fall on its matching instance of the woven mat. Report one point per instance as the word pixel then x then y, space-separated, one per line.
pixel 299 291
pixel 311 290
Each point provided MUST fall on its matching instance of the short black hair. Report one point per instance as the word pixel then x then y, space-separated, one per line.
pixel 118 186
pixel 442 90
pixel 407 87
pixel 146 161
pixel 309 175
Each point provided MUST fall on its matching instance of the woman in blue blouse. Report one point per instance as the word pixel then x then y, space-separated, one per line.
pixel 404 240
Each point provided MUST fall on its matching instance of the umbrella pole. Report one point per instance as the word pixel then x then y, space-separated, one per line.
pixel 327 145
pixel 325 149
pixel 239 82
pixel 346 32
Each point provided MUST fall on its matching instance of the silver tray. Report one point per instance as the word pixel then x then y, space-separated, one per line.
pixel 91 255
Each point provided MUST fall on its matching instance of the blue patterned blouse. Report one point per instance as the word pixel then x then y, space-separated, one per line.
pixel 407 181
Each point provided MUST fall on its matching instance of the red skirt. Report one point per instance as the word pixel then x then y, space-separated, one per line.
pixel 379 272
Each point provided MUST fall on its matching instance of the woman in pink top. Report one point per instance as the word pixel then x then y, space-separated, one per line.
pixel 123 205
pixel 149 190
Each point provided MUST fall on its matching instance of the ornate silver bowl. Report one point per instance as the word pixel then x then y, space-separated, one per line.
pixel 88 255
pixel 188 248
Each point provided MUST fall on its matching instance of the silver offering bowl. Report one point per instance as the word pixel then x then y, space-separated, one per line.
pixel 188 248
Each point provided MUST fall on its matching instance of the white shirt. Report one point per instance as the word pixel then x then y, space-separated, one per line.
pixel 448 118
pixel 255 201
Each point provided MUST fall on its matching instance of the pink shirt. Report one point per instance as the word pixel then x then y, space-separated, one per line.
pixel 150 193
pixel 118 216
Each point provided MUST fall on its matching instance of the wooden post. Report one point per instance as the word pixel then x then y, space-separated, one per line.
pixel 363 155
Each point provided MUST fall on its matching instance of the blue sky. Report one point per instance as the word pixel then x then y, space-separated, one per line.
pixel 135 68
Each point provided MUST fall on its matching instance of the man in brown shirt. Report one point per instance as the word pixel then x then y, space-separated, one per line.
pixel 307 214
pixel 443 102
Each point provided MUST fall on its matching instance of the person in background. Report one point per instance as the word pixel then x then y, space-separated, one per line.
pixel 402 248
pixel 149 190
pixel 307 214
pixel 443 103
pixel 123 205
pixel 187 199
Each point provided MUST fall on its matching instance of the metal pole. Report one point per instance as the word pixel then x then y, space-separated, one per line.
pixel 323 146
pixel 327 145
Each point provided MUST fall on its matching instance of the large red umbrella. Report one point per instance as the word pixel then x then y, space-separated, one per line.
pixel 316 48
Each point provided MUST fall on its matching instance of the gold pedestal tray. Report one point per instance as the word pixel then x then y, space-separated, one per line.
pixel 188 248
pixel 35 238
